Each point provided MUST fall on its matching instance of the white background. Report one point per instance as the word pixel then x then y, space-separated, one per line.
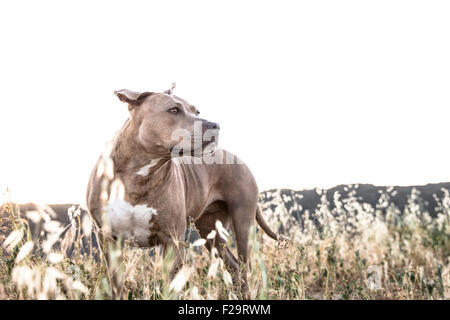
pixel 307 93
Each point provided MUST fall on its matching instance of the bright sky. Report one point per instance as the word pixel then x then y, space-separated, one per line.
pixel 307 93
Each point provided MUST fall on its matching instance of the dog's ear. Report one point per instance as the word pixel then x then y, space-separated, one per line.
pixel 133 98
pixel 170 91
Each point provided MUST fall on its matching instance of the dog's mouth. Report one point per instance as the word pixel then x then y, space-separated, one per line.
pixel 209 148
pixel 205 148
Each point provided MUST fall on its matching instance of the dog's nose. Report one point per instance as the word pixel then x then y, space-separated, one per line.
pixel 212 125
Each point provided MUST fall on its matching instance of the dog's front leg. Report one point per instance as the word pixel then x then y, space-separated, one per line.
pixel 111 251
pixel 178 251
pixel 174 242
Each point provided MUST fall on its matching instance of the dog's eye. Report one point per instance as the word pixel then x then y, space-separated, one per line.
pixel 174 110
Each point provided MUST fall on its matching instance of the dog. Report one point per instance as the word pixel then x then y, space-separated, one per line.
pixel 150 183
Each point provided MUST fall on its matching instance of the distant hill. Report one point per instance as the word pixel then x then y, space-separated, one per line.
pixel 299 201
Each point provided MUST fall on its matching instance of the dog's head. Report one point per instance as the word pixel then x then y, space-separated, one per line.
pixel 165 124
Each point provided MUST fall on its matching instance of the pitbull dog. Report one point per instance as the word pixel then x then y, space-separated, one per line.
pixel 143 188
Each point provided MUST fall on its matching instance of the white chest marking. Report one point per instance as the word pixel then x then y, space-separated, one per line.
pixel 128 221
pixel 146 169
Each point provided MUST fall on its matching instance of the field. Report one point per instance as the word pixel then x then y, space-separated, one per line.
pixel 353 251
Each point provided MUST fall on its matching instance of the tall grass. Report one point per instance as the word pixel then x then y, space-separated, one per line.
pixel 354 251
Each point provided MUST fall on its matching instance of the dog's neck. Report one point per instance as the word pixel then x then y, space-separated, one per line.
pixel 139 170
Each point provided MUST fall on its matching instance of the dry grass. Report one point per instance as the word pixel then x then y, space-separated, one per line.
pixel 352 252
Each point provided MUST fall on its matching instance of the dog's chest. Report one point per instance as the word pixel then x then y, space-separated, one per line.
pixel 131 222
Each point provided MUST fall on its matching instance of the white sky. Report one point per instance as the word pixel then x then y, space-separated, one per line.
pixel 311 93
